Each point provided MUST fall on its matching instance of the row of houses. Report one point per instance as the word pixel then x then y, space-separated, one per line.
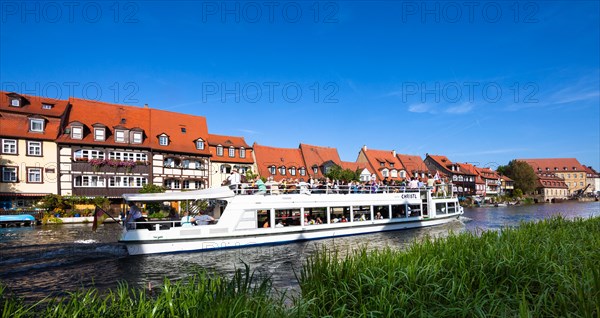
pixel 90 148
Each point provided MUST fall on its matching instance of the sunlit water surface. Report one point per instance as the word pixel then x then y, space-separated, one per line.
pixel 42 260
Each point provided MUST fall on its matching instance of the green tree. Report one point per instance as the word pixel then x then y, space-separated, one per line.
pixel 337 173
pixel 523 175
pixel 152 207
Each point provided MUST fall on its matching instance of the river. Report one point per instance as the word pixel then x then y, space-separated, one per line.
pixel 53 259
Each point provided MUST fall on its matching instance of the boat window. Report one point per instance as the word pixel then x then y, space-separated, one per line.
pixel 383 210
pixel 339 214
pixel 399 211
pixel 263 217
pixel 451 207
pixel 287 217
pixel 414 210
pixel 440 208
pixel 361 213
pixel 315 216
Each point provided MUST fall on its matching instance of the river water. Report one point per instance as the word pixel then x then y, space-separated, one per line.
pixel 50 260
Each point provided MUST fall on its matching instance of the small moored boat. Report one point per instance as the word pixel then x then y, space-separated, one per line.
pixel 248 217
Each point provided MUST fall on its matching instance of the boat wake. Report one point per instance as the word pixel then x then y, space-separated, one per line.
pixel 24 258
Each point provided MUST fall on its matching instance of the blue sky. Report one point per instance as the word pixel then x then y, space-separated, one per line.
pixel 480 82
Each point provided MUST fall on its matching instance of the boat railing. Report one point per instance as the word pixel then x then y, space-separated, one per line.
pixel 160 224
pixel 438 191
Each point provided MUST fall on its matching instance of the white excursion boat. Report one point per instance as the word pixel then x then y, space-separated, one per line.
pixel 252 218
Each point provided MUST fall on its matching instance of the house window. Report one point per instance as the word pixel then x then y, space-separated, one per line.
pixel 120 136
pixel 9 146
pixel 231 152
pixel 402 174
pixel 77 132
pixel 302 171
pixel 315 170
pixel 272 170
pixel 282 170
pixel 197 184
pixel 172 184
pixel 15 102
pixel 186 184
pixel 137 138
pixel 392 165
pixel 34 175
pixel 384 173
pixel 34 148
pixel 47 106
pixel 293 171
pixel 36 125
pixel 163 140
pixel 90 181
pixel 382 164
pixel 127 182
pixel 200 144
pixel 219 150
pixel 186 164
pixel 394 174
pixel 242 152
pixel 9 174
pixel 99 134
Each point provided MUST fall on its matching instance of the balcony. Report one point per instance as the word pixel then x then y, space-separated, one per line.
pixel 84 166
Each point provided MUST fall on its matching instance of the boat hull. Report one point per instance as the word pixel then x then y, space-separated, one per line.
pixel 306 233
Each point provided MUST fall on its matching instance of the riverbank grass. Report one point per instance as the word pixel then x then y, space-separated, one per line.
pixel 544 269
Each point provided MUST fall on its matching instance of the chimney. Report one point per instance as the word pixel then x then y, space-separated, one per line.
pixel 394 153
pixel 146 106
pixel 457 168
pixel 364 147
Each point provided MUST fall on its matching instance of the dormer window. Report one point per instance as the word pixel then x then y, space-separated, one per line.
pixel 137 137
pixel 282 170
pixel 302 171
pixel 272 170
pixel 163 140
pixel 392 165
pixel 382 164
pixel 200 144
pixel 99 134
pixel 119 136
pixel 183 130
pixel 242 152
pixel 219 150
pixel 15 102
pixel 36 125
pixel 293 171
pixel 231 152
pixel 77 132
pixel 47 106
pixel 315 170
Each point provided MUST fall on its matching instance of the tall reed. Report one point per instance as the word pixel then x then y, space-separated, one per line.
pixel 545 269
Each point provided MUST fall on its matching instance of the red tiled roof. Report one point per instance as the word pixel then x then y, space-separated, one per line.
pixel 33 105
pixel 317 156
pixel 353 165
pixel 444 162
pixel 467 168
pixel 88 112
pixel 554 164
pixel 17 125
pixel 173 124
pixel 376 157
pixel 412 163
pixel 550 181
pixel 590 170
pixel 226 142
pixel 14 121
pixel 269 156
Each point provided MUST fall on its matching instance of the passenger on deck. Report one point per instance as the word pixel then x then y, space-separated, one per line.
pixel 203 219
pixel 187 220
pixel 262 188
pixel 378 216
pixel 134 215
pixel 280 224
pixel 318 220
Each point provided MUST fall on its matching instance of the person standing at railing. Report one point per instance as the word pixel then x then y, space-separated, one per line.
pixel 262 188
pixel 234 180
pixel 134 215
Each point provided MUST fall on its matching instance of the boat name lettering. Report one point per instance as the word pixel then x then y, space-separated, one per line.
pixel 409 196
pixel 158 237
